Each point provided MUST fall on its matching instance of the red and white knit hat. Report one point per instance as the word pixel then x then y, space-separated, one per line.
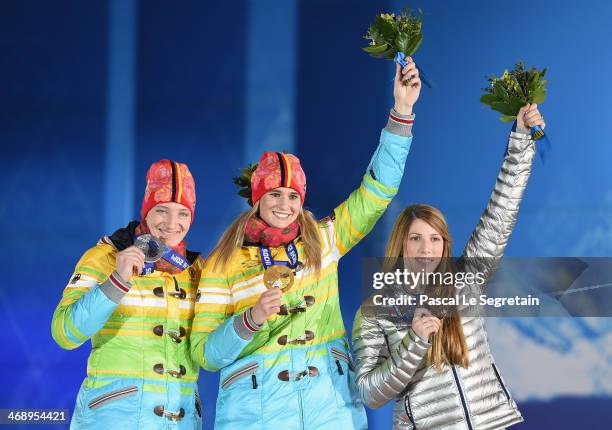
pixel 169 181
pixel 277 169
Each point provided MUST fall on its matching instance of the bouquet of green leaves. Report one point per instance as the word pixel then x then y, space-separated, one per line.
pixel 392 33
pixel 513 90
pixel 244 182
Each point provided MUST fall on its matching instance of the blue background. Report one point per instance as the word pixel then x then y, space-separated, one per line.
pixel 93 92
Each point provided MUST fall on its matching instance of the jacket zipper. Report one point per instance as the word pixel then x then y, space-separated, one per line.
pixel 299 393
pixel 198 404
pixel 500 381
pixel 408 410
pixel 465 409
pixel 339 355
pixel 244 371
pixel 111 396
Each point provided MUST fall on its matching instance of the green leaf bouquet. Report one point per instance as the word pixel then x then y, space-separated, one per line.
pixel 513 90
pixel 244 182
pixel 391 33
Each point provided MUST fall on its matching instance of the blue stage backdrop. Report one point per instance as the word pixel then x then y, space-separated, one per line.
pixel 93 92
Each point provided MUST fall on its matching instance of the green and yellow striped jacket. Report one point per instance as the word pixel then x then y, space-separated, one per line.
pixel 139 331
pixel 301 357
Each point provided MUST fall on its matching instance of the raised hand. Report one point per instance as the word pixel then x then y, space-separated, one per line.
pixel 407 87
pixel 528 117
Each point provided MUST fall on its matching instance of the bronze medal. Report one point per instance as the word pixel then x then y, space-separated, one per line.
pixel 278 276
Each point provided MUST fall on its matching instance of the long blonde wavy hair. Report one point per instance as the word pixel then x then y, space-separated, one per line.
pixel 449 345
pixel 233 238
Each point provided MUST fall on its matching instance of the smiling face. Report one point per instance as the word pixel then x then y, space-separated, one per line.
pixel 169 221
pixel 280 207
pixel 423 246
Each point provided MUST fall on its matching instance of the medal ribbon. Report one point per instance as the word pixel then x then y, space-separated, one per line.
pixel 543 147
pixel 268 261
pixel 172 257
pixel 407 316
pixel 400 58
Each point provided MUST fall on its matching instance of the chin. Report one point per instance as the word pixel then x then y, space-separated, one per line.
pixel 417 266
pixel 280 224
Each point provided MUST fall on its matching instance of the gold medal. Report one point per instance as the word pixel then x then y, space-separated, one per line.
pixel 278 276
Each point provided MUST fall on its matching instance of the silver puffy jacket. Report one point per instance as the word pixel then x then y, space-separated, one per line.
pixel 389 356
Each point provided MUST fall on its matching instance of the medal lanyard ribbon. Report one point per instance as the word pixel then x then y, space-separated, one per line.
pixel 400 58
pixel 172 257
pixel 410 314
pixel 267 260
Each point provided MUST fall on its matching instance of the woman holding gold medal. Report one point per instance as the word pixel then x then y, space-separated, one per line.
pixel 268 314
pixel 133 295
pixel 439 370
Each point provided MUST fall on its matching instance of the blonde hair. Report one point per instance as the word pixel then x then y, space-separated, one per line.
pixel 449 345
pixel 233 238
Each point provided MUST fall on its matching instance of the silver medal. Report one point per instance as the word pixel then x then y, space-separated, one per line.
pixel 152 247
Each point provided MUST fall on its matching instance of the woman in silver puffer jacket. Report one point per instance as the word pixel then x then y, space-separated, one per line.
pixel 441 372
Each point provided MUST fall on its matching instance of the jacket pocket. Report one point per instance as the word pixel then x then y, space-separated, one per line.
pixel 112 396
pixel 501 383
pixel 240 399
pixel 338 356
pixel 343 378
pixel 248 370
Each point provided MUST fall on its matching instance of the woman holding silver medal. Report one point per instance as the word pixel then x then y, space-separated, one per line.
pixel 133 295
pixel 268 314
pixel 438 367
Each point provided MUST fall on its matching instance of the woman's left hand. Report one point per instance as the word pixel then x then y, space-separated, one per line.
pixel 407 87
pixel 424 323
pixel 528 117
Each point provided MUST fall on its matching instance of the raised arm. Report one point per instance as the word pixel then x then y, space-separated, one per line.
pixel 357 215
pixel 490 237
